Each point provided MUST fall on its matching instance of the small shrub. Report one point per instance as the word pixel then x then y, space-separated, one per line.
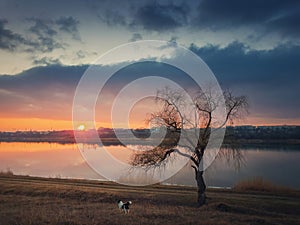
pixel 8 172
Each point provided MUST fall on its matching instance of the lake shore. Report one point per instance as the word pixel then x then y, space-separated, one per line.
pixel 114 141
pixel 33 200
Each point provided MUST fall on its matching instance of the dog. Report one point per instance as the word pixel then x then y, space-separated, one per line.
pixel 124 206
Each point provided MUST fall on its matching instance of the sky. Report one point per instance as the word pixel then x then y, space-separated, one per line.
pixel 252 47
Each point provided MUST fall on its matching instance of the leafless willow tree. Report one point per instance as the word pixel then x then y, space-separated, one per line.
pixel 192 121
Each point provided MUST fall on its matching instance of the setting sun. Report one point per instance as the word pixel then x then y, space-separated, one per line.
pixel 81 127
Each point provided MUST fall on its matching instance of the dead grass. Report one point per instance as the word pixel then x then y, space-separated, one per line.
pixel 261 185
pixel 6 173
pixel 26 200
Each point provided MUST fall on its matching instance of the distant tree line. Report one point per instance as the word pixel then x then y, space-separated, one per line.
pixel 264 132
pixel 245 133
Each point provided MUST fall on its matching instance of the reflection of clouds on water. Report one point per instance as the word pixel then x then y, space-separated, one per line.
pixel 113 163
pixel 44 159
pixel 57 160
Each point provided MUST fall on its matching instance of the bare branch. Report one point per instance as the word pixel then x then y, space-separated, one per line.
pixel 236 107
pixel 157 156
pixel 173 115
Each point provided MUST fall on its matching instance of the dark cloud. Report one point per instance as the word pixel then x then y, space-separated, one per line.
pixel 46 61
pixel 269 77
pixel 44 44
pixel 9 40
pixel 262 16
pixel 69 25
pixel 48 91
pixel 113 17
pixel 46 32
pixel 41 92
pixel 41 76
pixel 43 35
pixel 41 27
pixel 288 25
pixel 146 15
pixel 173 39
pixel 50 28
pixel 159 17
pixel 136 37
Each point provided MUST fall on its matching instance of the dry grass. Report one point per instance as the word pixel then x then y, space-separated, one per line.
pixel 6 173
pixel 261 185
pixel 27 200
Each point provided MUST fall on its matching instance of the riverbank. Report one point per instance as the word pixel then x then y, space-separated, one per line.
pixel 31 200
pixel 294 143
pixel 242 135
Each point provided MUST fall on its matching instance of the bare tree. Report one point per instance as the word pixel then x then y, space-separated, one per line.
pixel 193 123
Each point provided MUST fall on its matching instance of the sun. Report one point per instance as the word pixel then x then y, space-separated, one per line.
pixel 81 127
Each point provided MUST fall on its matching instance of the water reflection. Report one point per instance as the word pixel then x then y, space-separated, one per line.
pixel 64 160
pixel 44 159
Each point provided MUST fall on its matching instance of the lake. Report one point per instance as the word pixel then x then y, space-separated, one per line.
pixel 281 165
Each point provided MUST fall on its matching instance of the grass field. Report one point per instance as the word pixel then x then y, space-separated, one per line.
pixel 29 200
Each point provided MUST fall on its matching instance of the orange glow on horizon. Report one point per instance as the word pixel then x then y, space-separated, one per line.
pixel 15 124
pixel 27 124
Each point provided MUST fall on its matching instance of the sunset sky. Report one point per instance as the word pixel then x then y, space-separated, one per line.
pixel 252 47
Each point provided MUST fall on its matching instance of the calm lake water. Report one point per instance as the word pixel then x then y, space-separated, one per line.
pixel 279 165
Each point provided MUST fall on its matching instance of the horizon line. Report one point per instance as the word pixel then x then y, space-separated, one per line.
pixel 53 130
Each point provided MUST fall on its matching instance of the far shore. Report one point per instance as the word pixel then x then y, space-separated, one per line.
pixel 294 143
pixel 240 135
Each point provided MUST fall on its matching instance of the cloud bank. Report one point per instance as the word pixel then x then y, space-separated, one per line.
pixel 42 35
pixel 270 78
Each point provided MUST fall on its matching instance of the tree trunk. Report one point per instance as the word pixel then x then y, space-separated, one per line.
pixel 201 199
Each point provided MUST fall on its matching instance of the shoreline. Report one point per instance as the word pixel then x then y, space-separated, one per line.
pixel 104 183
pixel 115 141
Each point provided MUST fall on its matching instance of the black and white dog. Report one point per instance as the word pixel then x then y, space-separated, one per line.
pixel 124 206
